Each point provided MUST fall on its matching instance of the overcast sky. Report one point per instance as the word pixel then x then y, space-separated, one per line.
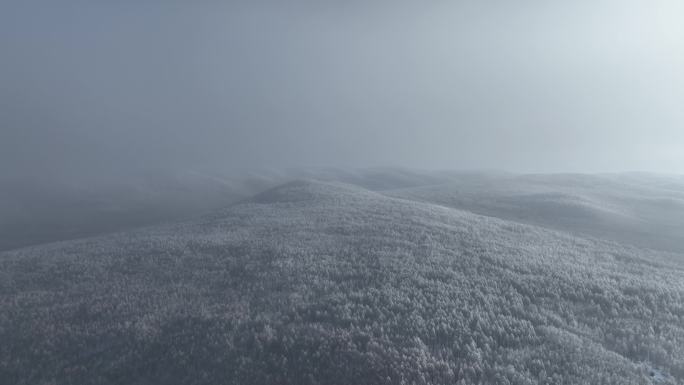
pixel 112 87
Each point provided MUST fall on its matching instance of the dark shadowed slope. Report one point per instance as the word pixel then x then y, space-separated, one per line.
pixel 318 283
pixel 637 209
pixel 34 212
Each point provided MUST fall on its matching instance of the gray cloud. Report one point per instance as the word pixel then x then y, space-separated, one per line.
pixel 106 88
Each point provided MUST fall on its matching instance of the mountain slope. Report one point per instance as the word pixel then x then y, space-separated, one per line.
pixel 34 212
pixel 39 212
pixel 313 283
pixel 638 209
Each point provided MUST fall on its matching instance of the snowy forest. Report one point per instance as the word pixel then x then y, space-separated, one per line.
pixel 317 282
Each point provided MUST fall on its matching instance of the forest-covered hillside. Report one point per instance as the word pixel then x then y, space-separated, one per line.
pixel 327 283
pixel 645 210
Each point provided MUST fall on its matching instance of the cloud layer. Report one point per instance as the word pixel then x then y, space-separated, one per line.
pixel 107 89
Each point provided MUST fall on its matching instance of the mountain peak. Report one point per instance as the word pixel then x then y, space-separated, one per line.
pixel 308 190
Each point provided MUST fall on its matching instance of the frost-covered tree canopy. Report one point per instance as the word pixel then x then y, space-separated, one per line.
pixel 326 283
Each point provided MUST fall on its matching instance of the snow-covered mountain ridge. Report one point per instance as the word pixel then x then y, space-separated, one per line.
pixel 319 282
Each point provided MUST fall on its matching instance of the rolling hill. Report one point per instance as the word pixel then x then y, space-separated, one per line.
pixel 644 210
pixel 34 212
pixel 329 283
